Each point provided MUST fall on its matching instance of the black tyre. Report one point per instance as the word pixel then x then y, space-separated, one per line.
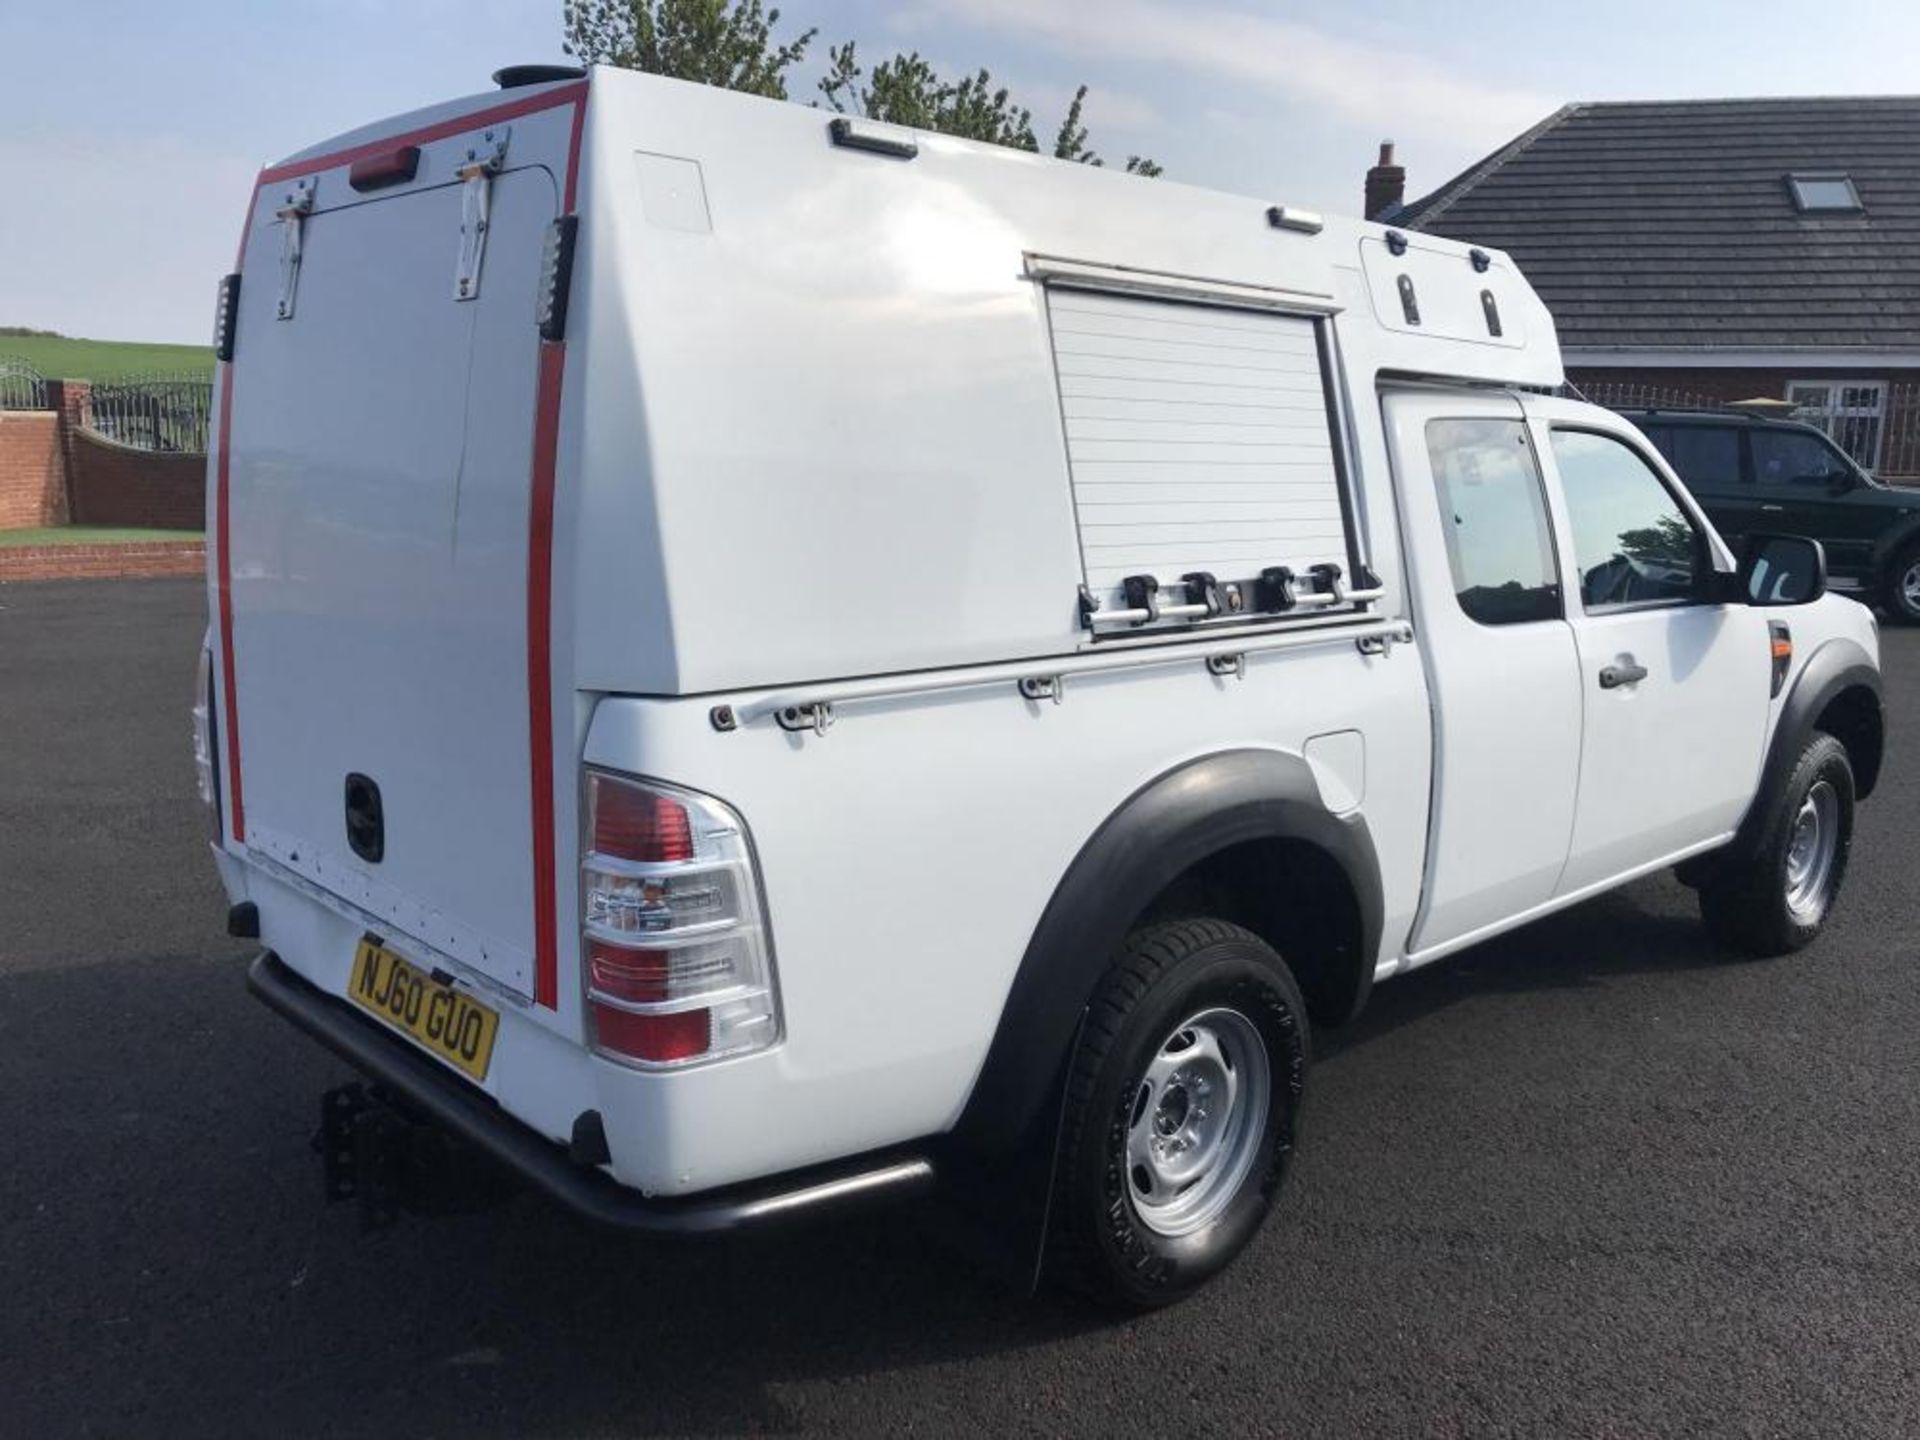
pixel 1900 592
pixel 1182 1109
pixel 1778 900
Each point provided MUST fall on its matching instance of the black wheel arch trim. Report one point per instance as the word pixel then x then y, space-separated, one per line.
pixel 1837 666
pixel 1165 828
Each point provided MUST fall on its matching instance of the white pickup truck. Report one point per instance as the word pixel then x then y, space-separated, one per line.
pixel 761 661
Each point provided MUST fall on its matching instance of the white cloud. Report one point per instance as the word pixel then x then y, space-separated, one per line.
pixel 1359 82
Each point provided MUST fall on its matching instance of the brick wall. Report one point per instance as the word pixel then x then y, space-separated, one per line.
pixel 99 562
pixel 33 488
pixel 54 472
pixel 109 484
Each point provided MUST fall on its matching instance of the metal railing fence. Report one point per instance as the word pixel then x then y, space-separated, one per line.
pixel 21 386
pixel 1876 422
pixel 168 413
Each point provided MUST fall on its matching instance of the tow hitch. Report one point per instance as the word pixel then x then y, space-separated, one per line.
pixel 391 1163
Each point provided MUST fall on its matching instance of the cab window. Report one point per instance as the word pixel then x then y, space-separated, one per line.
pixel 1633 543
pixel 1795 457
pixel 1495 518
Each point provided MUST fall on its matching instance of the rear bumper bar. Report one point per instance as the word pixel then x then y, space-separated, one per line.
pixel 474 1118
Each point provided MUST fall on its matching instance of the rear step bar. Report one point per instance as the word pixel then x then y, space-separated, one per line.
pixel 474 1118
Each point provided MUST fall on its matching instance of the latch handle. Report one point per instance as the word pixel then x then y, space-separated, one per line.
pixel 1275 591
pixel 1203 589
pixel 1142 594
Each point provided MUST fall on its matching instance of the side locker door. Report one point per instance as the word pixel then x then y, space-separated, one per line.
pixel 1674 689
pixel 1502 666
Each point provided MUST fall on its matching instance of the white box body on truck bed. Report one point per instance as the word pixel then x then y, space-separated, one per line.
pixel 741 641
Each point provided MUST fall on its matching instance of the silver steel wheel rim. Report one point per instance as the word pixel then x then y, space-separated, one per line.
pixel 1910 587
pixel 1811 848
pixel 1199 1111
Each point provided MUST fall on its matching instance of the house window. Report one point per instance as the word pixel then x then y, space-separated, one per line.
pixel 1831 194
pixel 1852 413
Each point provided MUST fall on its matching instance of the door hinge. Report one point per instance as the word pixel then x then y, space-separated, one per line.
pixel 293 219
pixel 485 159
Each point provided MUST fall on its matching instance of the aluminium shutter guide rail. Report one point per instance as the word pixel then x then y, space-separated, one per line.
pixel 1040 681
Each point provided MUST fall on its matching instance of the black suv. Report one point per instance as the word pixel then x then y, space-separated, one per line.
pixel 1754 474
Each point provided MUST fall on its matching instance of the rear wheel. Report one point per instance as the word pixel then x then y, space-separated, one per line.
pixel 1778 900
pixel 1181 1112
pixel 1901 592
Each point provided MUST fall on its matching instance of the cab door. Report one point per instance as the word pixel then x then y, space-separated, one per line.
pixel 1674 688
pixel 1502 666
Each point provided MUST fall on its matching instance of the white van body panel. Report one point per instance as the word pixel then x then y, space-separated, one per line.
pixel 904 880
pixel 808 440
pixel 849 379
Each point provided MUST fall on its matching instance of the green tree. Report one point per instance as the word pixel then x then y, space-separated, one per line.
pixel 1668 541
pixel 907 90
pixel 728 43
pixel 1071 142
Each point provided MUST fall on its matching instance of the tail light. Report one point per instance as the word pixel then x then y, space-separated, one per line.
pixel 678 964
pixel 226 315
pixel 206 746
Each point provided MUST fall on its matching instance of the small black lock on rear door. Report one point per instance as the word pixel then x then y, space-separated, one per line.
pixel 366 823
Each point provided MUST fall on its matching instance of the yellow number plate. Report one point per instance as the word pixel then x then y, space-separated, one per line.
pixel 445 1021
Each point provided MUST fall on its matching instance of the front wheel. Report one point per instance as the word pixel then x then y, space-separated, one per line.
pixel 1901 592
pixel 1181 1112
pixel 1778 899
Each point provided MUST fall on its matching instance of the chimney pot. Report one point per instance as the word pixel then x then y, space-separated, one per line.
pixel 1386 184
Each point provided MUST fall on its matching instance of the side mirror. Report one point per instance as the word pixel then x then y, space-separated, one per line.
pixel 1781 570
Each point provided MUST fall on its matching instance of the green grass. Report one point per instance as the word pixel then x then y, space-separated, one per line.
pixel 90 535
pixel 60 358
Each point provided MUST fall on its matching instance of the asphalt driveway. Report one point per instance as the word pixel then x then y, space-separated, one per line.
pixel 1588 1179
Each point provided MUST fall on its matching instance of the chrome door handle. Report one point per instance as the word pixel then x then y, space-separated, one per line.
pixel 1614 676
pixel 1773 509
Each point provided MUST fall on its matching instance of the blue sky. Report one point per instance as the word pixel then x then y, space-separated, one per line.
pixel 130 132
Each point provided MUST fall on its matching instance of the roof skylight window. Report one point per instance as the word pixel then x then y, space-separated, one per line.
pixel 1828 194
